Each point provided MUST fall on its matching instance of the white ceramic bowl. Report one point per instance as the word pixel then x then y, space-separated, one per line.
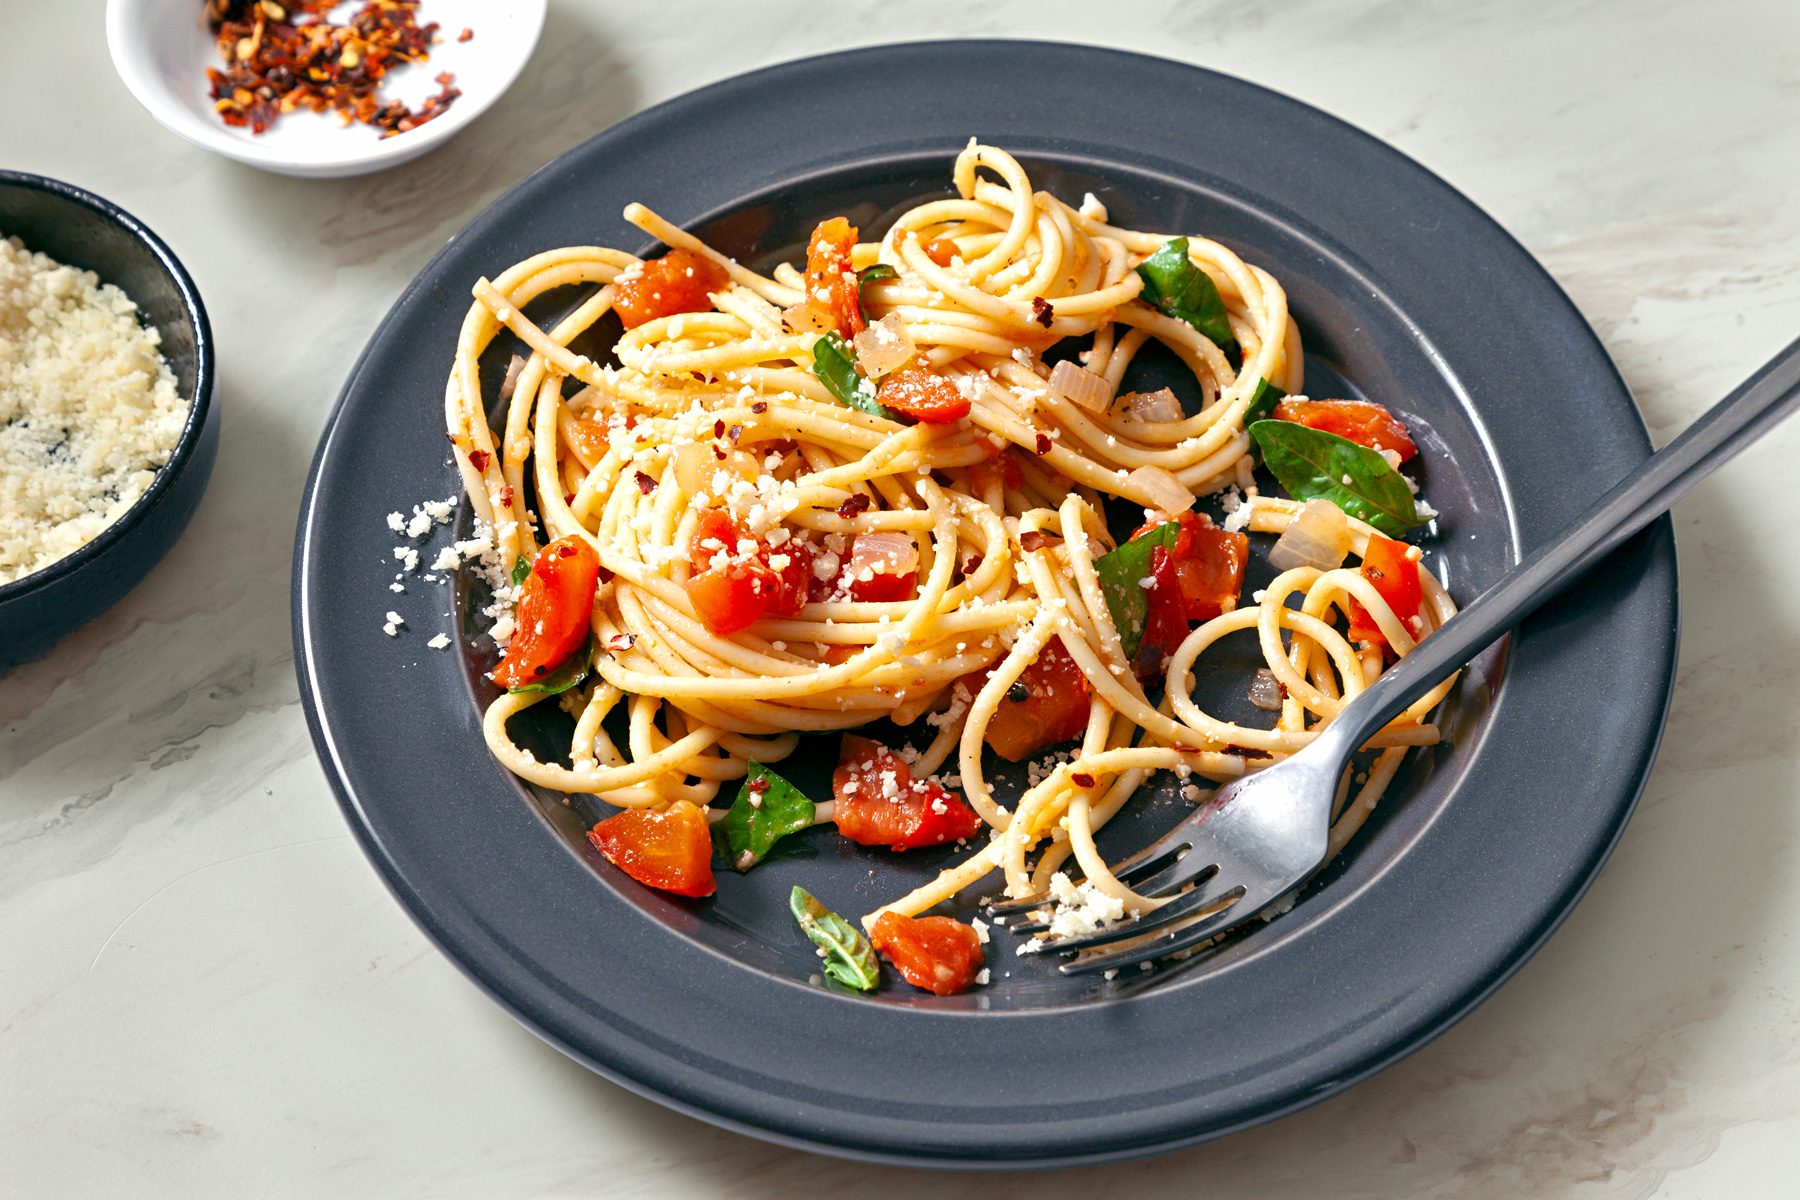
pixel 161 49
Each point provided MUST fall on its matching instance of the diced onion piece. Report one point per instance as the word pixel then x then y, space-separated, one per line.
pixel 1156 407
pixel 1265 691
pixel 1318 536
pixel 694 466
pixel 807 317
pixel 883 346
pixel 1159 489
pixel 883 554
pixel 512 376
pixel 1081 387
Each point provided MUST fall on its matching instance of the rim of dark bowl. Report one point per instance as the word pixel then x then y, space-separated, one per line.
pixel 199 403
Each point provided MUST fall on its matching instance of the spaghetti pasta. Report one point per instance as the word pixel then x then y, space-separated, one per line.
pixel 1001 515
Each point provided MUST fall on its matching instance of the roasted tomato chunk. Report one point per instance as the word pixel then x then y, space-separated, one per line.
pixel 734 585
pixel 941 251
pixel 1395 575
pixel 923 394
pixel 1366 424
pixel 678 282
pixel 935 953
pixel 1047 704
pixel 879 803
pixel 556 608
pixel 1209 565
pixel 831 286
pixel 671 849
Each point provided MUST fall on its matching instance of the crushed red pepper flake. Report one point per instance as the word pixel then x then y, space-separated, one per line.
pixel 1035 539
pixel 478 459
pixel 1043 443
pixel 854 506
pixel 280 57
pixel 645 483
pixel 1041 312
pixel 1082 779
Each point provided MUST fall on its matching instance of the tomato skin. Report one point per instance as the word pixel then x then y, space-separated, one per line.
pixel 1055 708
pixel 1396 577
pixel 937 954
pixel 923 394
pixel 1209 563
pixel 941 251
pixel 671 849
pixel 921 813
pixel 1165 615
pixel 678 282
pixel 881 588
pixel 830 282
pixel 556 608
pixel 1362 422
pixel 747 587
pixel 728 598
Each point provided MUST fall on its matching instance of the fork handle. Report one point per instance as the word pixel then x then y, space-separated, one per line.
pixel 1756 406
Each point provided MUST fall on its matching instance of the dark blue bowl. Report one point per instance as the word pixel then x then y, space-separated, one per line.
pixel 81 229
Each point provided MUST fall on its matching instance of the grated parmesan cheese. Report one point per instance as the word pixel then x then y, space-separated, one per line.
pixel 88 408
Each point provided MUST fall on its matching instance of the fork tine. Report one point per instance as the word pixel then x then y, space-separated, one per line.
pixel 1174 942
pixel 1178 908
pixel 1173 842
pixel 1165 884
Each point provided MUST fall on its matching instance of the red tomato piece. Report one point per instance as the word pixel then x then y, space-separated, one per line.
pixel 879 803
pixel 937 954
pixel 678 282
pixel 1366 424
pixel 746 586
pixel 922 393
pixel 671 849
pixel 1165 615
pixel 731 597
pixel 941 251
pixel 1209 563
pixel 1396 576
pixel 831 284
pixel 556 608
pixel 1052 706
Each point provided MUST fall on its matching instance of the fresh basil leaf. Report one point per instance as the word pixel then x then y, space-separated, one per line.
pixel 834 362
pixel 869 275
pixel 1174 285
pixel 521 571
pixel 1262 402
pixel 757 820
pixel 849 958
pixel 570 674
pixel 1312 464
pixel 1121 573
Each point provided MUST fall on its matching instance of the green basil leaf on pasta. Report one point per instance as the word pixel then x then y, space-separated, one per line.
pixel 521 571
pixel 1122 573
pixel 1312 464
pixel 834 362
pixel 868 275
pixel 570 674
pixel 1175 286
pixel 767 809
pixel 848 957
pixel 1262 402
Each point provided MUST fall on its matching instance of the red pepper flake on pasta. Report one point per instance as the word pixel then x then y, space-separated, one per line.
pixel 645 483
pixel 1041 312
pixel 478 459
pixel 284 55
pixel 1043 443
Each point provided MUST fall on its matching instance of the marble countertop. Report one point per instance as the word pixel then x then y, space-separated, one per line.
pixel 205 990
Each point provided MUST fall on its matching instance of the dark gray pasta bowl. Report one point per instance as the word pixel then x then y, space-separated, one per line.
pixel 83 230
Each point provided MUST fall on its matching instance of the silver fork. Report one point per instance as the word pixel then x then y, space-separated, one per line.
pixel 1262 835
